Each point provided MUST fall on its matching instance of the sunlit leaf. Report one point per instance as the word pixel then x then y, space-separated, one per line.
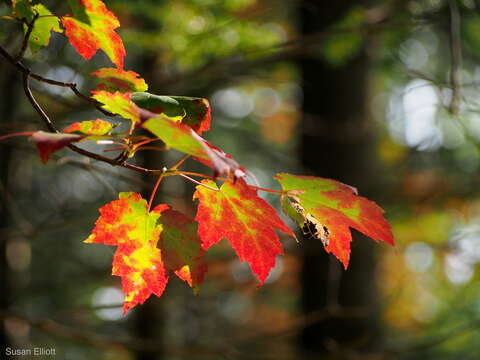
pixel 194 112
pixel 118 103
pixel 181 137
pixel 235 212
pixel 327 209
pixel 113 79
pixel 127 224
pixel 90 127
pixel 92 27
pixel 44 25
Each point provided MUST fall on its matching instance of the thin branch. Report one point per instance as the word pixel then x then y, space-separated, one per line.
pixel 190 173
pixel 196 182
pixel 154 191
pixel 456 57
pixel 51 127
pixel 36 106
pixel 30 27
pixel 25 70
pixel 155 148
pixel 265 189
pixel 180 162
pixel 22 133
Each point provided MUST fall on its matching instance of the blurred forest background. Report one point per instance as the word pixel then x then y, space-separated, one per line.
pixel 381 95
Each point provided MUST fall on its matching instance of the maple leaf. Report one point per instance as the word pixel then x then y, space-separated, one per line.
pixel 91 28
pixel 127 224
pixel 118 103
pixel 194 112
pixel 327 209
pixel 48 143
pixel 96 127
pixel 181 137
pixel 149 244
pixel 44 24
pixel 113 79
pixel 181 247
pixel 235 212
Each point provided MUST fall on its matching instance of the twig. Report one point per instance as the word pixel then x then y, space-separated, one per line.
pixel 265 189
pixel 180 162
pixel 154 191
pixel 182 173
pixel 27 74
pixel 120 160
pixel 456 57
pixel 117 161
pixel 25 70
pixel 36 106
pixel 30 27
pixel 51 126
pixel 196 182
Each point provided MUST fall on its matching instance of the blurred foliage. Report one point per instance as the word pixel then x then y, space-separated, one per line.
pixel 340 48
pixel 188 34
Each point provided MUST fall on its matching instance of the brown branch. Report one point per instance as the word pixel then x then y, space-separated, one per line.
pixel 117 161
pixel 35 104
pixel 25 70
pixel 27 74
pixel 30 26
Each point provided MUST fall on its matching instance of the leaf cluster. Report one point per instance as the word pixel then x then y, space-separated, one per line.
pixel 153 241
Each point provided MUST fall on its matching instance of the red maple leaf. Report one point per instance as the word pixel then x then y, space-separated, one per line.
pixel 149 243
pixel 92 27
pixel 235 212
pixel 113 79
pixel 48 143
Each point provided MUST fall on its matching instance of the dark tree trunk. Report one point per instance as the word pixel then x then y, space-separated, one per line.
pixel 9 81
pixel 336 144
pixel 148 320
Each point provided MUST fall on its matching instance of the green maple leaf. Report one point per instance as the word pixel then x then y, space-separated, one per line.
pixel 327 209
